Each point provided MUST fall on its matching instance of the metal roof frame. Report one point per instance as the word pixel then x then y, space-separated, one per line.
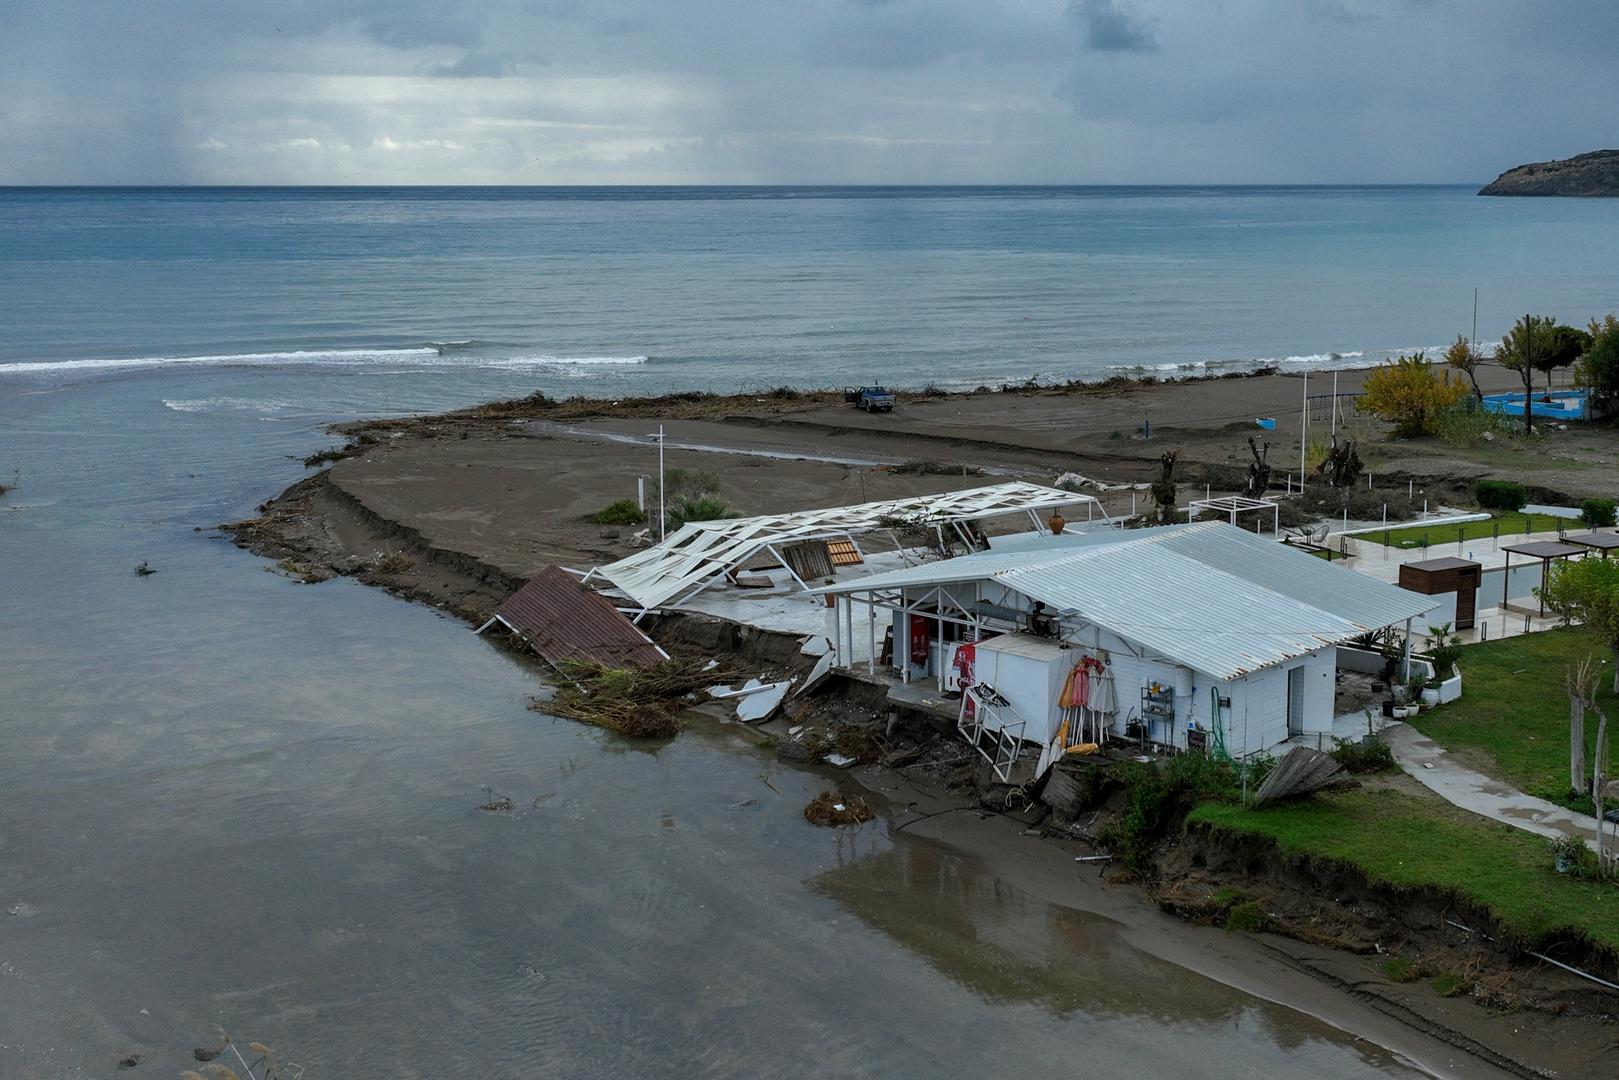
pixel 697 553
pixel 1232 505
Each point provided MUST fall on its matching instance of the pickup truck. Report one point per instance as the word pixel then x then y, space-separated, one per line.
pixel 870 398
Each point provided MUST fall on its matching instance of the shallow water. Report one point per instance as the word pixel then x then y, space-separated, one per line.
pixel 228 799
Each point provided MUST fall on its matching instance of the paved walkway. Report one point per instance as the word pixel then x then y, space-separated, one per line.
pixel 1440 771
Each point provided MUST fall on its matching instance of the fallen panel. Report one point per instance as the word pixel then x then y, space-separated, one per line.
pixel 1300 772
pixel 560 619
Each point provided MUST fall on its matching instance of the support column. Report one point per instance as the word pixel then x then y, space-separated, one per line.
pixel 839 650
pixel 871 628
pixel 1405 671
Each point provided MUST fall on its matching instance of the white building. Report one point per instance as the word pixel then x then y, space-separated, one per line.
pixel 1199 636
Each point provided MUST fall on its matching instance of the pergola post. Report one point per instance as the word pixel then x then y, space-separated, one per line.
pixel 1405 670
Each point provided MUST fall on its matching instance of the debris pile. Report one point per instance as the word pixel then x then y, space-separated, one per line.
pixel 640 703
pixel 828 808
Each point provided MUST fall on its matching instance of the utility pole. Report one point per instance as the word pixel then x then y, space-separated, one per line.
pixel 662 517
pixel 1473 338
pixel 1304 428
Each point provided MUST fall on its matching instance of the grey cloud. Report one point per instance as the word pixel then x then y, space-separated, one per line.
pixel 406 91
pixel 1109 27
pixel 476 64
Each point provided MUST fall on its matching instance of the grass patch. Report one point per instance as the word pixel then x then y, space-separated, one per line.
pixel 1504 524
pixel 1514 711
pixel 1448 984
pixel 1410 842
pixel 1399 970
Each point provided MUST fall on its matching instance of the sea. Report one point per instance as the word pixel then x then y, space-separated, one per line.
pixel 233 804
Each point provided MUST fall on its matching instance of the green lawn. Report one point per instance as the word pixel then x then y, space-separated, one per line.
pixel 1513 713
pixel 1406 841
pixel 1503 524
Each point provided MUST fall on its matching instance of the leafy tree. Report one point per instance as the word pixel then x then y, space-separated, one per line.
pixel 1411 394
pixel 1568 345
pixel 1464 357
pixel 1587 591
pixel 1599 367
pixel 1525 350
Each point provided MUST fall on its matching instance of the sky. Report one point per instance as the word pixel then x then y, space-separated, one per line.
pixel 800 91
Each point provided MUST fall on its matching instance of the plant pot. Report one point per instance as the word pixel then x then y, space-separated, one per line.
pixel 1388 707
pixel 1430 696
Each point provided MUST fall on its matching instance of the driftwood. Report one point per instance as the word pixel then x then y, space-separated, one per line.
pixel 1258 469
pixel 1302 771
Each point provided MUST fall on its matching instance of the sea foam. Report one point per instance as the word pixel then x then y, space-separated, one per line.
pixel 412 357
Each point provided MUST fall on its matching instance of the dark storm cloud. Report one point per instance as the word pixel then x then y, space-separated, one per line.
pixel 580 91
pixel 1110 27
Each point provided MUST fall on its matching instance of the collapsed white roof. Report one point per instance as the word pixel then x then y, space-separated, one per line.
pixel 1215 598
pixel 702 550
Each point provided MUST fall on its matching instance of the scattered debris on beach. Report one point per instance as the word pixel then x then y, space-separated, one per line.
pixel 828 808
pixel 642 704
pixel 496 803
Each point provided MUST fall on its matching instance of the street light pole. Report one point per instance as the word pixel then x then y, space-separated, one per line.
pixel 662 517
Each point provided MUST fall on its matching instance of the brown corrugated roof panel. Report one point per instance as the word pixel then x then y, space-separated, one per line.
pixel 564 620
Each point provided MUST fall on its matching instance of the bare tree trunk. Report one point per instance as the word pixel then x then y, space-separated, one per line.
pixel 1576 743
pixel 1599 779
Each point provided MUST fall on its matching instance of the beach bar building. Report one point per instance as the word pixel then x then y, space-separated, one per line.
pixel 1184 637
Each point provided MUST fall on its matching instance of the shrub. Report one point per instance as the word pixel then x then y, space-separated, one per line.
pixel 1500 495
pixel 1411 394
pixel 1159 796
pixel 1246 918
pixel 699 509
pixel 623 512
pixel 1599 367
pixel 1369 755
pixel 1575 858
pixel 1597 512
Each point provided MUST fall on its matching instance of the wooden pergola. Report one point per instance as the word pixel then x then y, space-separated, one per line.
pixel 1603 542
pixel 1545 551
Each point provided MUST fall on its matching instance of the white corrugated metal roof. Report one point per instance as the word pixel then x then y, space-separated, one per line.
pixel 702 550
pixel 1215 598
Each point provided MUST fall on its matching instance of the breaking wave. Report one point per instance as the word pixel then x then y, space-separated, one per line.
pixel 415 357
pixel 1353 358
